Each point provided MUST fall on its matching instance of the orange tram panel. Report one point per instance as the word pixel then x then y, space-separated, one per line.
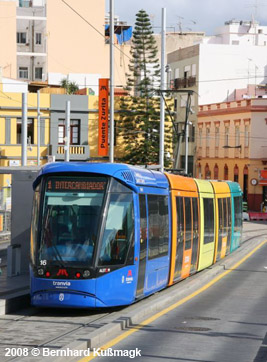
pixel 185 227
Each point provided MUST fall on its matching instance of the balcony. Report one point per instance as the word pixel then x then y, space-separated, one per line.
pixel 184 82
pixel 77 152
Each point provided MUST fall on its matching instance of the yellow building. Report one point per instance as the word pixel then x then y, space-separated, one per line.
pixel 232 145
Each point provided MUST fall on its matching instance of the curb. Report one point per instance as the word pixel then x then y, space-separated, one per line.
pixel 13 300
pixel 138 312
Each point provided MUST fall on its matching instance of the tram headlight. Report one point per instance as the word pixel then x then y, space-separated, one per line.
pixel 40 272
pixel 86 273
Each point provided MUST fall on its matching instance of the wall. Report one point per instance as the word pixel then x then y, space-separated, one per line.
pixel 224 68
pixel 246 112
pixel 78 111
pixel 10 111
pixel 73 46
pixel 22 194
pixel 8 44
pixel 259 129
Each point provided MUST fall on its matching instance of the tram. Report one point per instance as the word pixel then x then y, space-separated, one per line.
pixel 106 235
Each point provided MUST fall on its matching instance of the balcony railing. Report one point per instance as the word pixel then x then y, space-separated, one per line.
pixel 184 82
pixel 77 152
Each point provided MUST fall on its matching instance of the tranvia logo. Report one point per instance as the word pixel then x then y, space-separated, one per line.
pixel 61 297
pixel 129 278
pixel 61 284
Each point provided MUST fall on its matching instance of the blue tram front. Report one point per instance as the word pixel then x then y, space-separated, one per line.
pixel 89 237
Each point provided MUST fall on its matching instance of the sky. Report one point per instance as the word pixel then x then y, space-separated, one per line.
pixel 192 15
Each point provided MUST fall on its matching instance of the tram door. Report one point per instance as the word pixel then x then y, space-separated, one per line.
pixel 225 226
pixel 229 226
pixel 195 234
pixel 221 227
pixel 180 237
pixel 143 246
pixel 188 238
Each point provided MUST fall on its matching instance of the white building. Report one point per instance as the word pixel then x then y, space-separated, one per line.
pixel 234 58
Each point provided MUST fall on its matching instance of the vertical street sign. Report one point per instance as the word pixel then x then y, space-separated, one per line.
pixel 103 117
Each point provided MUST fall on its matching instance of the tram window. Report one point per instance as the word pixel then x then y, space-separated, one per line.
pixel 225 219
pixel 229 212
pixel 180 214
pixel 195 213
pixel 158 226
pixel 208 220
pixel 180 236
pixel 238 212
pixel 188 223
pixel 143 226
pixel 119 230
pixel 220 210
pixel 195 233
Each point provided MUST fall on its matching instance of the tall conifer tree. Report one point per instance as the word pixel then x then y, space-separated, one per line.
pixel 140 112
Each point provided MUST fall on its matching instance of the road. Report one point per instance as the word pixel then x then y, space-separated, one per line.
pixel 225 323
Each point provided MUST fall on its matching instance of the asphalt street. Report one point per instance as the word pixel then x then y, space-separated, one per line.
pixel 225 323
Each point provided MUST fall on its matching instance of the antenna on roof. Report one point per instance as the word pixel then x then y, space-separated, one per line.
pixel 180 23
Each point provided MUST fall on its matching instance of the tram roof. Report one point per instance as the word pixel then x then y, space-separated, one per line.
pixel 129 175
pixel 234 187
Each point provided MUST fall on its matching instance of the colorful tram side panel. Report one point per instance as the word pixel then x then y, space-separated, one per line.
pixel 223 219
pixel 185 227
pixel 153 237
pixel 207 224
pixel 236 204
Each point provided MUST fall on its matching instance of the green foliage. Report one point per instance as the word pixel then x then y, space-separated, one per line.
pixel 70 87
pixel 140 112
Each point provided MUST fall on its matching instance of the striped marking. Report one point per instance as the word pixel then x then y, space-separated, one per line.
pixel 173 306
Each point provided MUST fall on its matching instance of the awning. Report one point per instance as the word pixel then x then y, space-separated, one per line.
pixel 123 32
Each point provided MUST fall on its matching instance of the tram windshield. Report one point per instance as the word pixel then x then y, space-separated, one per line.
pixel 70 220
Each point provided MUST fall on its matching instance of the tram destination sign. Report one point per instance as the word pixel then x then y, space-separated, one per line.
pixel 76 184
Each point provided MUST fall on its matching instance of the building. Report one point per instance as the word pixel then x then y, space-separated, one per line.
pixel 43 47
pixel 232 145
pixel 234 58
